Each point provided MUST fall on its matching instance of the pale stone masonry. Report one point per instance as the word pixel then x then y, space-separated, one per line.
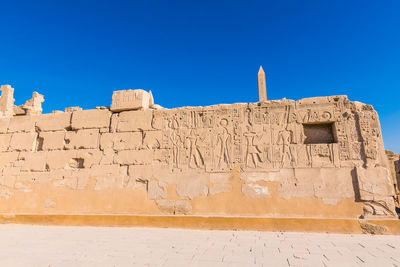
pixel 315 157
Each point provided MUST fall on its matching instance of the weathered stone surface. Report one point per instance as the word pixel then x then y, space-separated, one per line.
pixel 54 122
pixel 22 124
pixel 48 203
pixel 255 190
pixel 6 101
pixel 121 141
pixel 130 99
pixel 51 140
pixel 82 139
pixel 73 179
pixel 72 109
pixel 8 158
pixel 376 189
pixel 34 105
pixel 9 176
pixel 108 156
pixel 152 139
pixel 135 121
pixel 141 172
pixel 34 178
pixel 220 188
pixel 191 187
pixel 94 118
pixel 220 178
pixel 59 159
pixel 109 176
pixel 133 157
pixel 374 183
pixel 4 142
pixel 22 187
pixel 4 122
pixel 272 176
pixel 23 141
pixel 32 161
pixel 156 190
pixel 174 206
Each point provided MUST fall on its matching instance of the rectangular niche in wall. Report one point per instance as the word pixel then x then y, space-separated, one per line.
pixel 318 133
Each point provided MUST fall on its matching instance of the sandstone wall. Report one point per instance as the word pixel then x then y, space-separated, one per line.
pixel 316 157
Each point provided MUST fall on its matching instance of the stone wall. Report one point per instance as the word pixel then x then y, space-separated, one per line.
pixel 315 157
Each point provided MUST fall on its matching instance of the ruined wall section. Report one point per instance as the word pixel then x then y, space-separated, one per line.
pixel 317 149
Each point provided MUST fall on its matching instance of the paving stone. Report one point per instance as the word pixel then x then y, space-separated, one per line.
pixel 26 245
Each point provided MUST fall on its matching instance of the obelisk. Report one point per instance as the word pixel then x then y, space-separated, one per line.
pixel 262 87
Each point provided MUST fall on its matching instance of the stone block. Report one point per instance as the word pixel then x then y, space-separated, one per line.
pixel 87 138
pixel 340 179
pixel 89 157
pixel 374 183
pixel 152 139
pixel 9 176
pixel 73 159
pixel 72 109
pixel 22 124
pixel 133 157
pixel 87 119
pixel 51 140
pixel 34 177
pixel 4 123
pixel 8 158
pixel 174 206
pixel 4 142
pixel 23 141
pixel 73 179
pixel 140 172
pixel 108 156
pixel 130 99
pixel 156 190
pixel 114 122
pixel 139 120
pixel 54 122
pixel 192 186
pixel 59 159
pixel 121 141
pixel 32 161
pixel 109 176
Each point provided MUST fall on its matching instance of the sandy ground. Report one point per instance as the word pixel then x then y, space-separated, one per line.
pixel 27 245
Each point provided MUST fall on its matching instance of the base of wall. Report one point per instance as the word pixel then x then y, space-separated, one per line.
pixel 310 225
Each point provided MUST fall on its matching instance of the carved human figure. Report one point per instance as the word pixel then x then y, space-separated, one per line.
pixel 176 140
pixel 253 153
pixel 224 140
pixel 266 141
pixel 249 116
pixel 285 138
pixel 195 156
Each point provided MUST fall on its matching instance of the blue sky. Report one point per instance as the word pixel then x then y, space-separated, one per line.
pixel 193 53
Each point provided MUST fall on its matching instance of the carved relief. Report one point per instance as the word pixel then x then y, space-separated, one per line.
pixel 224 141
pixel 185 149
pixel 196 159
pixel 253 152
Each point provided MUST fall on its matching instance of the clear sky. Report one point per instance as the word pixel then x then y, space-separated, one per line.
pixel 193 53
